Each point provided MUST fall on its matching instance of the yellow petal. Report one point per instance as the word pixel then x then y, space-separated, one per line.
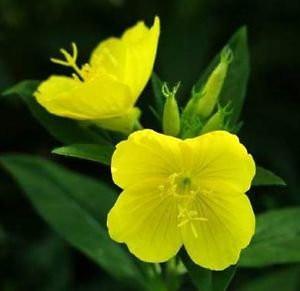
pixel 217 242
pixel 129 59
pixel 147 222
pixel 145 155
pixel 218 160
pixel 100 97
pixel 110 56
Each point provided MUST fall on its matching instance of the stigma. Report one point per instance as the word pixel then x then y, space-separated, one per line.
pixel 81 74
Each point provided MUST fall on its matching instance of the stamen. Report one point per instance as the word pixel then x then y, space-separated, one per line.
pixel 182 223
pixel 195 233
pixel 189 216
pixel 180 186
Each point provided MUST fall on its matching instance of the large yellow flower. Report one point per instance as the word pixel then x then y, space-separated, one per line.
pixel 106 88
pixel 183 192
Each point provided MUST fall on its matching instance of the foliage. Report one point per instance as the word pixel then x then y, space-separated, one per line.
pixel 68 200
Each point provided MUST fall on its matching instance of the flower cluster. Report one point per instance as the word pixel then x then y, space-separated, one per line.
pixel 185 187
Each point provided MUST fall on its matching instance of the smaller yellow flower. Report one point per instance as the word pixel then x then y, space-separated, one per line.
pixel 106 89
pixel 183 192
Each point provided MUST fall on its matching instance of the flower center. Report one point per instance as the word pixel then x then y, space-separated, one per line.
pixel 182 188
pixel 184 184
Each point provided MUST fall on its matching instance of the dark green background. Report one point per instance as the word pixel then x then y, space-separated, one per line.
pixel 32 257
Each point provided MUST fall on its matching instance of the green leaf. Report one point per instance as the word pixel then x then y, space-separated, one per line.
pixel 67 131
pixel 265 177
pixel 276 241
pixel 275 280
pixel 75 206
pixel 235 84
pixel 207 280
pixel 159 98
pixel 92 152
pixel 201 278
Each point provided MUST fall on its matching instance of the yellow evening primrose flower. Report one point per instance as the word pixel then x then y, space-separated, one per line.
pixel 106 89
pixel 187 193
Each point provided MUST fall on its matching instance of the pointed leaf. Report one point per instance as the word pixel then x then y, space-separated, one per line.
pixel 92 152
pixel 275 280
pixel 201 278
pixel 207 280
pixel 265 177
pixel 276 240
pixel 65 130
pixel 74 205
pixel 158 95
pixel 235 84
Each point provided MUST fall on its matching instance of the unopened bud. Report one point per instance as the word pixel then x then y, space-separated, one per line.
pixel 209 95
pixel 171 115
pixel 217 120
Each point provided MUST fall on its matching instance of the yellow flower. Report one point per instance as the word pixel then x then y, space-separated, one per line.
pixel 108 86
pixel 183 192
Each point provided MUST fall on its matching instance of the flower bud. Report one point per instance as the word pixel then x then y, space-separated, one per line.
pixel 208 96
pixel 217 120
pixel 171 115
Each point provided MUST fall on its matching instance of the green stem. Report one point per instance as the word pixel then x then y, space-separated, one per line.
pixel 172 276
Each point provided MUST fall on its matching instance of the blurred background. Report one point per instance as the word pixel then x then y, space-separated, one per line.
pixel 32 256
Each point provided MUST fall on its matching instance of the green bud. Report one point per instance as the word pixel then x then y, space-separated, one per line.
pixel 217 120
pixel 208 96
pixel 171 115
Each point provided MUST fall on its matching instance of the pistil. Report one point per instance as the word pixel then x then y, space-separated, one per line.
pixel 71 61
